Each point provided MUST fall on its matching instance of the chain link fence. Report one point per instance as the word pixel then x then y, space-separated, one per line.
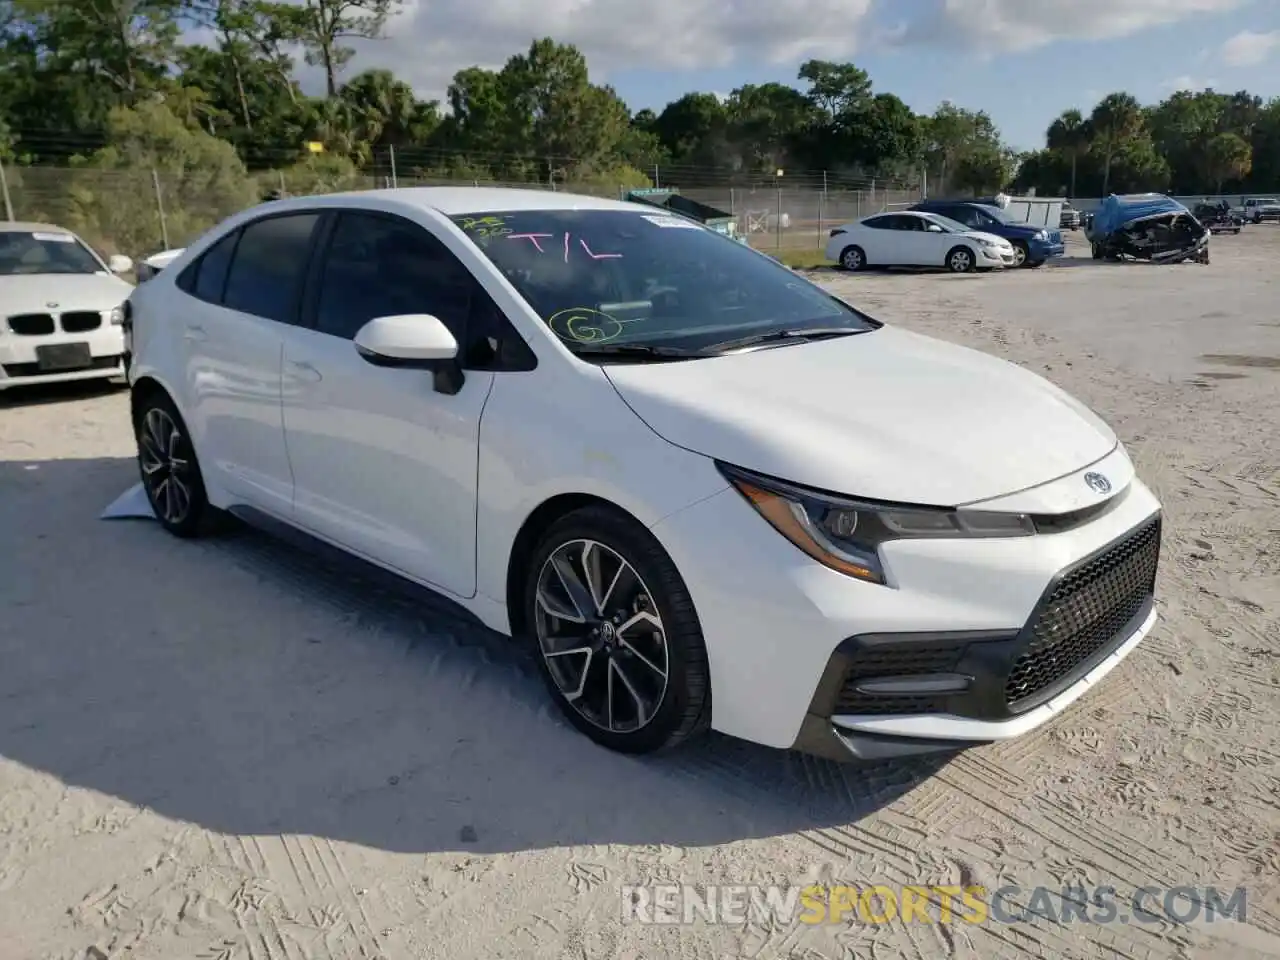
pixel 139 211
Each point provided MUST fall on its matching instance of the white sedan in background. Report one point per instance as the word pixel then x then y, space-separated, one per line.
pixel 913 238
pixel 153 264
pixel 60 307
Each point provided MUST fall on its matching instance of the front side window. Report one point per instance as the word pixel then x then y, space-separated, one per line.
pixel 25 253
pixel 266 273
pixel 378 266
pixel 653 279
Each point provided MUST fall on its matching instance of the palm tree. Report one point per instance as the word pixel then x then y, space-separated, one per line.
pixel 1070 135
pixel 1115 120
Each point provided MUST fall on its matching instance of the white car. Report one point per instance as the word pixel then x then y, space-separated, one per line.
pixel 153 264
pixel 709 493
pixel 1256 210
pixel 916 239
pixel 60 307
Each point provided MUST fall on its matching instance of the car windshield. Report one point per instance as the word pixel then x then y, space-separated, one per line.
pixel 629 278
pixel 951 226
pixel 39 252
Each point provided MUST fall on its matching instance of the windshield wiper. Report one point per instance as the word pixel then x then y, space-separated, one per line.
pixel 781 336
pixel 640 351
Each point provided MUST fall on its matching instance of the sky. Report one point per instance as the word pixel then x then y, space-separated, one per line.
pixel 1023 61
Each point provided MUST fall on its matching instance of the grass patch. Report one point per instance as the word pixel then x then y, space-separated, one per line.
pixel 799 258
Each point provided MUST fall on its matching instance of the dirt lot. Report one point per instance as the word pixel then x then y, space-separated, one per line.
pixel 225 749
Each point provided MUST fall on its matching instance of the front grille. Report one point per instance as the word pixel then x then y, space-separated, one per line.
pixel 81 321
pixel 31 324
pixel 1083 617
pixel 913 659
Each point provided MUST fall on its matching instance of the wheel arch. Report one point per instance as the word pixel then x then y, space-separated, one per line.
pixel 143 388
pixel 538 522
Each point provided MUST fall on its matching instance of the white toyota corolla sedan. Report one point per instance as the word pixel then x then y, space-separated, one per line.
pixel 708 493
pixel 912 238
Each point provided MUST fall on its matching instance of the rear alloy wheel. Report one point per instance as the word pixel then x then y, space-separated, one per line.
pixel 170 473
pixel 618 642
pixel 853 259
pixel 1020 253
pixel 960 260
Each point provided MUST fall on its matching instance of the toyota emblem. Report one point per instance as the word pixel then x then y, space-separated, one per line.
pixel 1097 483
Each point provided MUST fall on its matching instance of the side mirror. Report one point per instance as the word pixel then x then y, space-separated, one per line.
pixel 414 340
pixel 118 263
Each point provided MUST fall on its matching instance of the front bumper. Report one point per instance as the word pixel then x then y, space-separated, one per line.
pixel 790 642
pixel 988 257
pixel 1038 250
pixel 19 364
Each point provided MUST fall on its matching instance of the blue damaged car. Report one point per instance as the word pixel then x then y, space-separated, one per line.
pixel 1032 245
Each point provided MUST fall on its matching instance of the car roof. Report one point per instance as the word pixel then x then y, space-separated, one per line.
pixel 454 201
pixel 19 226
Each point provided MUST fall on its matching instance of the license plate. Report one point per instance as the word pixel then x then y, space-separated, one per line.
pixel 64 356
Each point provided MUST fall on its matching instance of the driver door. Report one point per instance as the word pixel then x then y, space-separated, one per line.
pixel 383 463
pixel 915 243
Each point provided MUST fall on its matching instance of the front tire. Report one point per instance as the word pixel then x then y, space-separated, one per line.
pixel 616 636
pixel 170 472
pixel 1020 254
pixel 961 260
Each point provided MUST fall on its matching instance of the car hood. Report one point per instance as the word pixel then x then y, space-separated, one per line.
pixel 60 292
pixel 887 415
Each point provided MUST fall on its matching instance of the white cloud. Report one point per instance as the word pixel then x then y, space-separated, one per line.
pixel 1016 25
pixel 1186 82
pixel 432 39
pixel 1248 49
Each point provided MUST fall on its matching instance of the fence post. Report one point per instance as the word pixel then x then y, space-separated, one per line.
pixel 778 227
pixel 283 191
pixel 164 226
pixel 391 148
pixel 657 180
pixel 4 186
pixel 822 212
pixel 733 203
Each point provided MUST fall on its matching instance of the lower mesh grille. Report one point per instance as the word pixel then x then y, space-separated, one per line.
pixel 1084 616
pixel 915 659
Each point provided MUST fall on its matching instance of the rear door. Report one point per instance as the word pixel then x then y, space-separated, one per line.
pixel 245 290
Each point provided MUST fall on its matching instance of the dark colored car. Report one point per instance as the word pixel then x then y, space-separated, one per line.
pixel 1032 245
pixel 1218 217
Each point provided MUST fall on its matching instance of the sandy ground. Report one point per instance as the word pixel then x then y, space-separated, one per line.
pixel 226 749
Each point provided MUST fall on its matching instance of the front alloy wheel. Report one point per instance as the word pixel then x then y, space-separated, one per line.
pixel 960 260
pixel 618 642
pixel 1019 254
pixel 601 636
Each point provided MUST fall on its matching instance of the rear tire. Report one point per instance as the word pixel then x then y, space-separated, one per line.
pixel 853 259
pixel 170 472
pixel 961 260
pixel 634 679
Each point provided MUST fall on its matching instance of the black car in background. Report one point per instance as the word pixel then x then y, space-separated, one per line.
pixel 1218 217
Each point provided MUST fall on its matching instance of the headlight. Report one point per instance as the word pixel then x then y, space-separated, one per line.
pixel 1041 235
pixel 846 534
pixel 117 316
pixel 989 244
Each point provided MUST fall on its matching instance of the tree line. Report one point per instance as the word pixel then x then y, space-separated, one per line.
pixel 112 85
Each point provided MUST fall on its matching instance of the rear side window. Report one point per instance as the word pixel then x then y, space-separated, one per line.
pixel 211 271
pixel 266 272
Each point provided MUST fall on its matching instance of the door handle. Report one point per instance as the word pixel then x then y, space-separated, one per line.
pixel 305 371
pixel 195 332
